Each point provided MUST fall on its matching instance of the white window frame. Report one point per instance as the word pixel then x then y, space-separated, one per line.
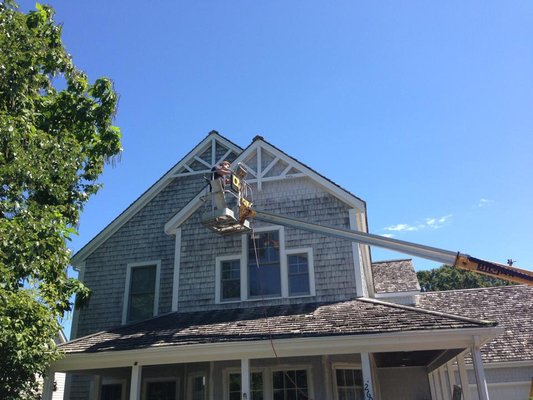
pixel 310 269
pixel 157 380
pixel 288 367
pixel 125 302
pixel 282 262
pixel 228 371
pixel 342 365
pixel 190 378
pixel 218 278
pixel 113 381
pixel 284 269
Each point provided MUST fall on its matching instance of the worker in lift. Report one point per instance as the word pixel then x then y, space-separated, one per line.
pixel 221 171
pixel 219 178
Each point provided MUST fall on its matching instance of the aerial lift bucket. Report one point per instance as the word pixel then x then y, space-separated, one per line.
pixel 223 204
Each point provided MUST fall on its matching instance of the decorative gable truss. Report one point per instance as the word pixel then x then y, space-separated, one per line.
pixel 199 160
pixel 209 154
pixel 265 164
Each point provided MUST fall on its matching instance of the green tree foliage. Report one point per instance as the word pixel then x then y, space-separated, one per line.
pixel 449 278
pixel 53 146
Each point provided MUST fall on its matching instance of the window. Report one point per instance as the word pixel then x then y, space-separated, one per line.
pixel 349 383
pixel 230 280
pixel 290 385
pixel 264 279
pixel 298 271
pixel 161 390
pixel 198 390
pixel 281 272
pixel 141 294
pixel 256 386
pixel 111 391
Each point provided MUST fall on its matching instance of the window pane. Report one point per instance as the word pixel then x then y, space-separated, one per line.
pixel 290 384
pixel 161 390
pixel 256 386
pixel 349 384
pixel 265 280
pixel 143 279
pixel 231 279
pixel 198 388
pixel 298 274
pixel 142 293
pixel 111 392
pixel 266 244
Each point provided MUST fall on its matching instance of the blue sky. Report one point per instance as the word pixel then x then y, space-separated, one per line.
pixel 423 109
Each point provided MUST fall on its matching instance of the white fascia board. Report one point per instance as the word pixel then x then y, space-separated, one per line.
pixel 144 199
pixel 331 188
pixel 184 214
pixel 399 341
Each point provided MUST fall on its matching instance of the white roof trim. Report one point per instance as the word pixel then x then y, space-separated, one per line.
pixel 330 187
pixel 147 196
pixel 175 222
pixel 256 349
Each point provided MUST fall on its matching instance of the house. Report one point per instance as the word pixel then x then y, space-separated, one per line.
pixel 508 359
pixel 179 312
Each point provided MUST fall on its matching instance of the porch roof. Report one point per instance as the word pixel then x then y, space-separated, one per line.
pixel 307 320
pixel 511 306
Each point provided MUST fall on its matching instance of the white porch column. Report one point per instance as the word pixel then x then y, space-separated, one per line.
pixel 48 386
pixel 367 376
pixel 481 380
pixel 245 379
pixel 431 378
pixel 135 386
pixel 464 377
pixel 326 366
pixel 211 381
pixel 451 375
pixel 438 385
pixel 446 393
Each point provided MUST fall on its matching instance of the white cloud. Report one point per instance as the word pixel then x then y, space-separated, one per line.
pixel 401 227
pixel 387 235
pixel 433 223
pixel 484 202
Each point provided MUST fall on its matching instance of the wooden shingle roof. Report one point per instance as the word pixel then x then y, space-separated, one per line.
pixel 394 276
pixel 354 317
pixel 511 306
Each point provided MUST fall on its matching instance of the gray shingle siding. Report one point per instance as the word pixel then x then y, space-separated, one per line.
pixel 333 262
pixel 141 239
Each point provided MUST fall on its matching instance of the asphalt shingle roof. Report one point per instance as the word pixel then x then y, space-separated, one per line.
pixel 511 306
pixel 355 317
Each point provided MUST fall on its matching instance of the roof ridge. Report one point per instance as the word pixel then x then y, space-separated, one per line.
pixel 392 260
pixel 430 312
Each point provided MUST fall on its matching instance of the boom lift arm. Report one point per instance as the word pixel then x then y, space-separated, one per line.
pixel 225 221
pixel 456 259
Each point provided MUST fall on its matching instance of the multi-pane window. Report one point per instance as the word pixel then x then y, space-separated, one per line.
pixel 264 267
pixel 349 384
pixel 165 390
pixel 256 386
pixel 298 272
pixel 198 388
pixel 230 280
pixel 141 295
pixel 290 385
pixel 111 391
